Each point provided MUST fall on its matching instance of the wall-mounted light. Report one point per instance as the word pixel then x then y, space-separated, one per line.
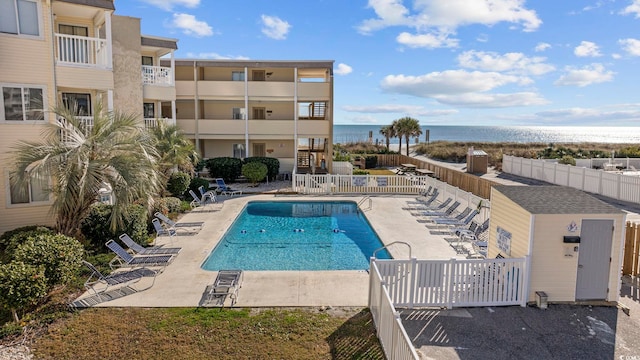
pixel 269 73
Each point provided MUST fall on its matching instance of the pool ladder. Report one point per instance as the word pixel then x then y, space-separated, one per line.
pixel 389 244
pixel 363 200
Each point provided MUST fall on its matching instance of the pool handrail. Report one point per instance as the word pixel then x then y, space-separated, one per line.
pixel 389 244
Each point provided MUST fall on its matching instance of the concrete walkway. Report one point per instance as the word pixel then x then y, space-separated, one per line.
pixel 183 282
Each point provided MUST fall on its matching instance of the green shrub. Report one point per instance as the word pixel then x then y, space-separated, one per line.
pixel 10 329
pixel 254 171
pixel 360 172
pixel 21 285
pixel 10 240
pixel 227 168
pixel 272 164
pixel 371 162
pixel 178 183
pixel 60 255
pixel 200 165
pixel 567 160
pixel 167 205
pixel 96 227
pixel 195 184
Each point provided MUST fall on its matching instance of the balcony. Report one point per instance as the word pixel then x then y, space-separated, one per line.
pixel 82 51
pixel 85 123
pixel 157 75
pixel 150 123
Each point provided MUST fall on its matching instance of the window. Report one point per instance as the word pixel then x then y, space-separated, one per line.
pixel 258 75
pixel 259 113
pixel 34 191
pixel 22 103
pixel 259 149
pixel 149 110
pixel 239 151
pixel 147 60
pixel 79 103
pixel 238 113
pixel 237 75
pixel 73 30
pixel 19 17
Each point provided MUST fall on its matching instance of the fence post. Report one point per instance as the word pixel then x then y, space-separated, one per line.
pixel 413 281
pixel 524 292
pixel 329 183
pixel 450 287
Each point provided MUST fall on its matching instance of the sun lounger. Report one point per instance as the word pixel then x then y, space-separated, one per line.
pixel 210 195
pixel 99 283
pixel 163 231
pixel 151 250
pixel 447 212
pixel 225 190
pixel 124 259
pixel 226 284
pixel 177 226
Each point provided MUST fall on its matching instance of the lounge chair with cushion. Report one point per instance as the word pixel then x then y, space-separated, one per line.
pixel 138 249
pixel 124 259
pixel 226 284
pixel 209 195
pixel 225 190
pixel 99 283
pixel 176 226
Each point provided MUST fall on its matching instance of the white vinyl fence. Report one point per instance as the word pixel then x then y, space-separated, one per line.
pixel 331 184
pixel 613 185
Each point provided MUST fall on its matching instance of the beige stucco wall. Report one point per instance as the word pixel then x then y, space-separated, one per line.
pixel 127 73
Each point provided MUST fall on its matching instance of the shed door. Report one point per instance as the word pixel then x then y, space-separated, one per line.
pixel 594 259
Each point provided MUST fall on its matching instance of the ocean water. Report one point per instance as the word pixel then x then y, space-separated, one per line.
pixel 520 134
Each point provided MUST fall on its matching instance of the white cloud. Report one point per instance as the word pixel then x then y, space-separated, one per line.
pixel 191 26
pixel 450 82
pixel 274 27
pixel 431 41
pixel 168 5
pixel 588 75
pixel 435 21
pixel 634 8
pixel 630 46
pixel 399 109
pixel 343 69
pixel 590 115
pixel 509 62
pixel 587 49
pixel 215 56
pixel 542 47
pixel 481 100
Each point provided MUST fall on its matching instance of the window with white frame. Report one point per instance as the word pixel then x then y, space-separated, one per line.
pixel 238 113
pixel 22 103
pixel 239 151
pixel 32 191
pixel 19 17
pixel 237 75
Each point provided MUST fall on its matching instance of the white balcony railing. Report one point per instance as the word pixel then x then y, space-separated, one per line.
pixel 82 50
pixel 86 122
pixel 150 123
pixel 157 75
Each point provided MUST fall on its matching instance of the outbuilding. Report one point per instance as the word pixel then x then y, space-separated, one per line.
pixel 574 240
pixel 477 161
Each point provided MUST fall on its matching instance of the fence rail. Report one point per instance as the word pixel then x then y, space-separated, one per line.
pixel 613 185
pixel 157 75
pixel 631 258
pixel 82 50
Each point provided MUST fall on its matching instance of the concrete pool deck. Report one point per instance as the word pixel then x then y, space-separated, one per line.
pixel 183 282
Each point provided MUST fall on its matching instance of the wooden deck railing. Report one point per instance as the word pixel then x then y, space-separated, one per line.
pixel 631 259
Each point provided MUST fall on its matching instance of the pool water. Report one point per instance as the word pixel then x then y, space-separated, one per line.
pixel 297 235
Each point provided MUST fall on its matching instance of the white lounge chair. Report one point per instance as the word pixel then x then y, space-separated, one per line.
pixel 210 194
pixel 226 284
pixel 177 226
pixel 225 190
pixel 163 231
pixel 124 259
pixel 99 283
pixel 151 250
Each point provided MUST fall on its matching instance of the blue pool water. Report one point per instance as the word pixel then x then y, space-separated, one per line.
pixel 297 235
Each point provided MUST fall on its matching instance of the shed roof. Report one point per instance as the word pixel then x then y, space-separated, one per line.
pixel 555 200
pixel 479 153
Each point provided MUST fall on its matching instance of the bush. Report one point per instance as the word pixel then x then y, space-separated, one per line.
pixel 96 227
pixel 10 329
pixel 227 168
pixel 21 285
pixel 167 205
pixel 371 162
pixel 60 255
pixel 195 184
pixel 254 171
pixel 360 172
pixel 272 164
pixel 178 183
pixel 10 240
pixel 567 160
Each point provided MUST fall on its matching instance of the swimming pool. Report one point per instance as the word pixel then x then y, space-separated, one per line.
pixel 297 235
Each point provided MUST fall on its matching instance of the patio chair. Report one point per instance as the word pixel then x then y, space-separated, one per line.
pixel 425 200
pixel 225 190
pixel 162 231
pixel 209 194
pixel 197 200
pixel 151 250
pixel 226 284
pixel 448 222
pixel 172 225
pixel 451 220
pixel 124 259
pixel 447 212
pixel 123 278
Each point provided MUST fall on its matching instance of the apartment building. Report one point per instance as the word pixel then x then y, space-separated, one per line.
pixel 280 109
pixel 64 52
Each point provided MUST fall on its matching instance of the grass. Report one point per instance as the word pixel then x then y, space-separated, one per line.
pixel 192 333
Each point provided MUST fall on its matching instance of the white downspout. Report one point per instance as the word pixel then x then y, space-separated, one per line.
pixel 173 82
pixel 295 120
pixel 107 23
pixel 196 107
pixel 246 111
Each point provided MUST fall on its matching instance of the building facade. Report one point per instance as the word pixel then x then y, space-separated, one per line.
pixel 72 53
pixel 280 109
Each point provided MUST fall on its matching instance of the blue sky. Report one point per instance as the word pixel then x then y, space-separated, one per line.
pixel 443 62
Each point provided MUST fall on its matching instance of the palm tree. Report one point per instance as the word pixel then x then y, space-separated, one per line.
pixel 397 131
pixel 388 132
pixel 175 151
pixel 113 150
pixel 408 127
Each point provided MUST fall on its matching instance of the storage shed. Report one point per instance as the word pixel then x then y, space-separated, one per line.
pixel 477 161
pixel 574 240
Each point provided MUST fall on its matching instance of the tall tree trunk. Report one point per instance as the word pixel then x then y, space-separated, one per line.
pixel 388 141
pixel 407 141
pixel 400 144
